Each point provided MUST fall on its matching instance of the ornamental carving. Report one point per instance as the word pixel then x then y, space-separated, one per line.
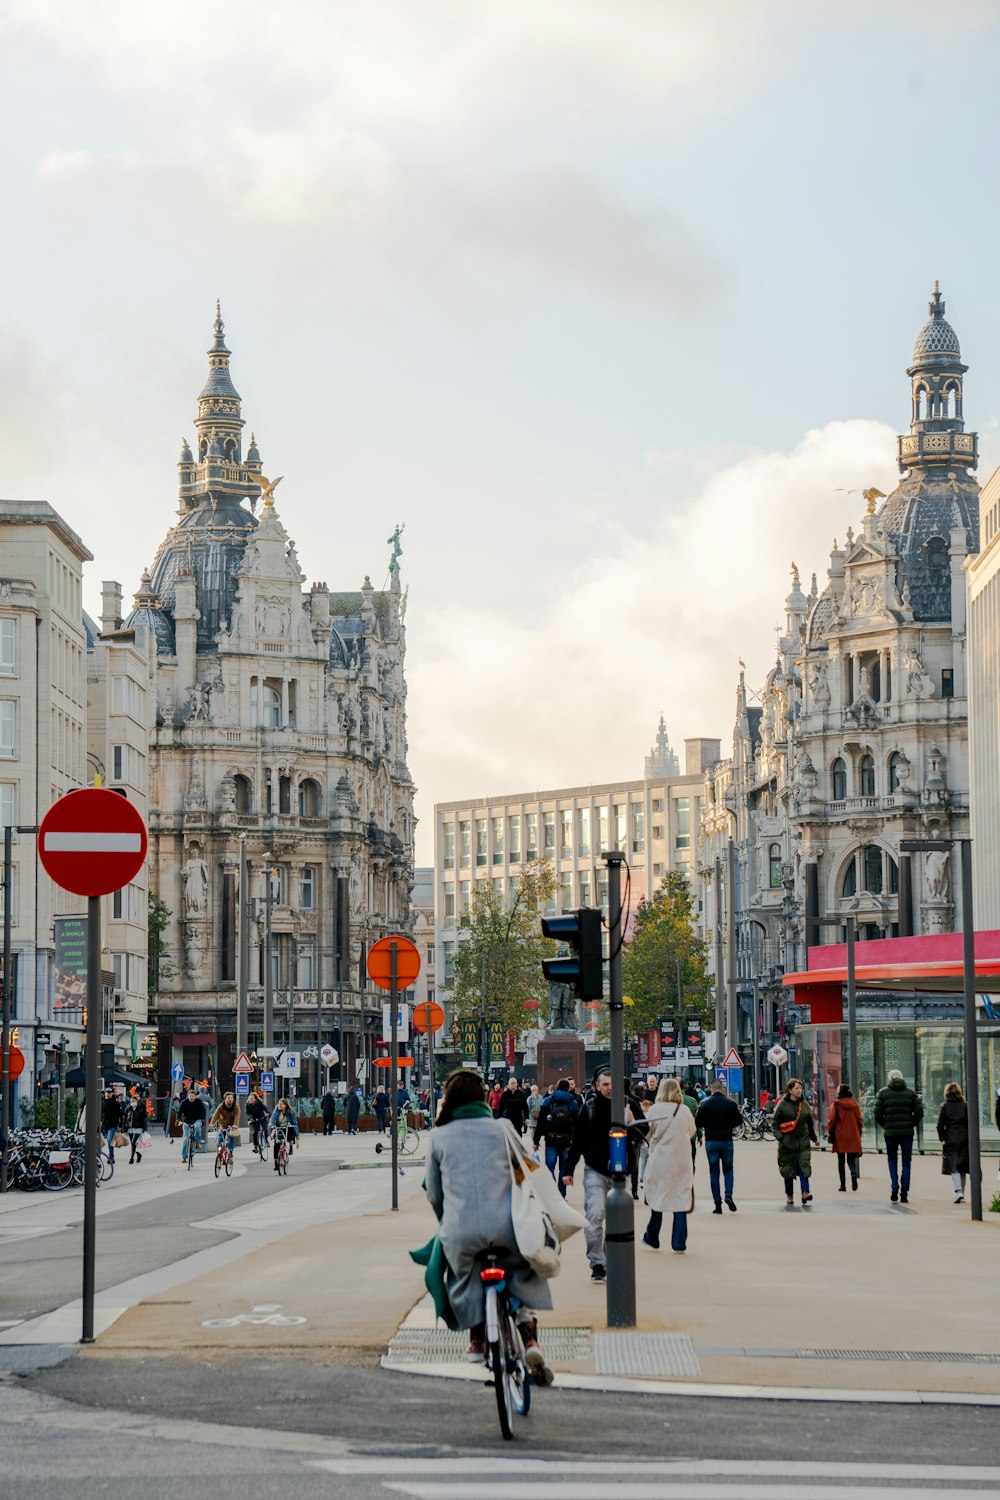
pixel 867 595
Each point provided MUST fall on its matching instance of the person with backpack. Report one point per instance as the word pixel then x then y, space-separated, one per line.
pixel 554 1125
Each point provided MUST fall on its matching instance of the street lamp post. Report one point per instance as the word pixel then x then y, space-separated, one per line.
pixel 918 846
pixel 268 873
pixel 7 1114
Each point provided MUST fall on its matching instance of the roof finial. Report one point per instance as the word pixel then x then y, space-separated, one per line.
pixel 795 574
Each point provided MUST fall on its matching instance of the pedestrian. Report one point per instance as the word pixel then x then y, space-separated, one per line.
pixel 328 1105
pixel 513 1106
pixel 554 1128
pixel 534 1103
pixel 381 1104
pixel 694 1099
pixel 495 1095
pixel 953 1133
pixel 634 1103
pixel 669 1179
pixel 111 1119
pixel 136 1124
pixel 792 1123
pixel 719 1119
pixel 899 1110
pixel 352 1110
pixel 844 1134
pixel 591 1142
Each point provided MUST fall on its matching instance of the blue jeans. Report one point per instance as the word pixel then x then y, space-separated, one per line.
pixel 894 1144
pixel 199 1136
pixel 678 1231
pixel 109 1136
pixel 555 1157
pixel 790 1184
pixel 720 1152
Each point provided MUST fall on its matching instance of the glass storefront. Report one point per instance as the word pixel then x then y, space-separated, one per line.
pixel 928 1056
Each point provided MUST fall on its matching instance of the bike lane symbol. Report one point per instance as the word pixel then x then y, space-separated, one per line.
pixel 266 1313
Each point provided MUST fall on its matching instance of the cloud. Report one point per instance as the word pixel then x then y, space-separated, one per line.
pixel 569 693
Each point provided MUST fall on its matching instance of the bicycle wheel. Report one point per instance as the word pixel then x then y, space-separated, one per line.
pixel 218 1162
pixel 105 1168
pixel 501 1387
pixel 229 1164
pixel 283 1161
pixel 59 1177
pixel 517 1369
pixel 410 1142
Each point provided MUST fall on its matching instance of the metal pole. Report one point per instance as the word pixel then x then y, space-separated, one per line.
pixel 61 1066
pixel 756 1044
pixel 619 1232
pixel 720 1001
pixel 6 1118
pixel 394 1054
pixel 852 1012
pixel 243 953
pixel 92 1137
pixel 971 1040
pixel 732 1021
pixel 268 989
pixel 430 1069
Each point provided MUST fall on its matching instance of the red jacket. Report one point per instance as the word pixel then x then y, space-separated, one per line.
pixel 845 1126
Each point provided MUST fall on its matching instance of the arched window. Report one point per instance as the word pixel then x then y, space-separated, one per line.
pixel 849 884
pixel 921 403
pixel 871 856
pixel 867 776
pixel 308 799
pixel 937 557
pixel 774 866
pixel 839 780
pixel 244 794
pixel 284 794
pixel 893 871
pixel 272 707
pixel 894 763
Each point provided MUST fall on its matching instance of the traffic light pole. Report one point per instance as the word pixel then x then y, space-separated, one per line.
pixel 619 1235
pixel 6 1122
pixel 394 1070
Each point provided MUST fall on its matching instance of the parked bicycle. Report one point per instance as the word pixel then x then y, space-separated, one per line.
pixel 756 1123
pixel 407 1139
pixel 504 1348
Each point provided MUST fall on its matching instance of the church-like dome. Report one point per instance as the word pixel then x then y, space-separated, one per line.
pixel 208 542
pixel 917 519
pixel 936 337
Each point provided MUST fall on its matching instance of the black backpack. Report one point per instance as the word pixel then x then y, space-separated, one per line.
pixel 560 1122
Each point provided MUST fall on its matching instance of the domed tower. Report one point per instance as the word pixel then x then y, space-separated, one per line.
pixel 937 438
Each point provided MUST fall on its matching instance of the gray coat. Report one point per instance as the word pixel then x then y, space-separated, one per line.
pixel 467 1181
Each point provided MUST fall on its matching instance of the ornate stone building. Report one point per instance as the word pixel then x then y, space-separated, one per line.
pixel 860 735
pixel 279 719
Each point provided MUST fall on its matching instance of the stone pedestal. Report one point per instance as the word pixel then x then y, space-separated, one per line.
pixel 560 1054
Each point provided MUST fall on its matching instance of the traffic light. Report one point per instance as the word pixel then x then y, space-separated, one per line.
pixel 583 971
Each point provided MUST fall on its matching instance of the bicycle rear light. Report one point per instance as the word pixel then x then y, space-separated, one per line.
pixel 492 1274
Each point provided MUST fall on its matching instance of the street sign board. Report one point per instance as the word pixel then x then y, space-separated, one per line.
pixel 777 1055
pixel 16 1062
pixel 732 1059
pixel 681 1057
pixel 402 1022
pixel 243 1064
pixel 242 1084
pixel 732 1078
pixel 428 1015
pixel 177 1072
pixel 267 1082
pixel 329 1054
pixel 92 842
pixel 290 1065
pixel 379 962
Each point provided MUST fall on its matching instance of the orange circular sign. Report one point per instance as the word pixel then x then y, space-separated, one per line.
pixel 16 1062
pixel 428 1016
pixel 379 962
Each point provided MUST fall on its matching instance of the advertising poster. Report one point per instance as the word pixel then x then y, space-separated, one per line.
pixel 70 965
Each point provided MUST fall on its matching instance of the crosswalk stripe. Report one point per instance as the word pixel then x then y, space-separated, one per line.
pixel 547 1489
pixel 777 1470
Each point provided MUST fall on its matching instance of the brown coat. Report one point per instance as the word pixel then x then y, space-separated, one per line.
pixel 845 1126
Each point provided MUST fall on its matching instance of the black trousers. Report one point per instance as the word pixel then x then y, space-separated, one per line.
pixel 849 1161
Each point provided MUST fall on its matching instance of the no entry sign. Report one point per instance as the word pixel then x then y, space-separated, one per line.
pixel 92 842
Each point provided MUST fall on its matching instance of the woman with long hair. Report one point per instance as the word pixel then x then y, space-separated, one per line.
pixel 844 1134
pixel 953 1133
pixel 668 1181
pixel 468 1185
pixel 794 1131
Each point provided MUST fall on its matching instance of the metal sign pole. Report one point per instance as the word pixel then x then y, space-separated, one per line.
pixel 619 1234
pixel 971 1041
pixel 394 1053
pixel 243 952
pixel 6 1120
pixel 852 1012
pixel 93 1128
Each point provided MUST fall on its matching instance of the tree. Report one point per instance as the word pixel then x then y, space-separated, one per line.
pixel 500 960
pixel 158 966
pixel 664 932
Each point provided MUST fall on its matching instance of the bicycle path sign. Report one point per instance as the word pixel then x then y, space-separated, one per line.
pixel 242 1084
pixel 267 1082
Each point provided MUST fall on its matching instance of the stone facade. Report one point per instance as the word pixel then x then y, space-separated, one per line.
pixel 279 719
pixel 983 573
pixel 859 737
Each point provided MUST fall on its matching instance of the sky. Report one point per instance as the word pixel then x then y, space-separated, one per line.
pixel 609 301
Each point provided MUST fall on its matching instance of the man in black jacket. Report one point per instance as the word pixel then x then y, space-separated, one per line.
pixel 719 1118
pixel 513 1106
pixel 192 1115
pixel 591 1142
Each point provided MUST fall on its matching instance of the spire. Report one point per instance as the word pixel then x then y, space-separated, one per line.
pixel 216 470
pixel 662 760
pixel 937 439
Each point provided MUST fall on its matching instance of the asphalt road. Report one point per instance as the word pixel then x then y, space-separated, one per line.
pixel 38 1275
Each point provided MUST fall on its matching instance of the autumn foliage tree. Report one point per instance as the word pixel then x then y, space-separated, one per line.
pixel 663 932
pixel 499 958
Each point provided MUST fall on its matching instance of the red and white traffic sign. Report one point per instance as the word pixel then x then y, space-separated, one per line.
pixel 732 1059
pixel 243 1064
pixel 92 842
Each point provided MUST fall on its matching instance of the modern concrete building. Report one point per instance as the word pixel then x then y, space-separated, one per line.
pixel 654 820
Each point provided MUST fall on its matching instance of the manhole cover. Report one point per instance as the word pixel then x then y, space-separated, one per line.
pixel 645 1354
pixel 439 1346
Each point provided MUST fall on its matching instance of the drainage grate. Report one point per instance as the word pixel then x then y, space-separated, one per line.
pixel 439 1346
pixel 645 1354
pixel 925 1356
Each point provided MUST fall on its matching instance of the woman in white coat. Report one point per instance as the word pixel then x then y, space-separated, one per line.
pixel 669 1177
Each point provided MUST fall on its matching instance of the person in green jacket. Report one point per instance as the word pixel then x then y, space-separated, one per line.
pixel 794 1131
pixel 899 1111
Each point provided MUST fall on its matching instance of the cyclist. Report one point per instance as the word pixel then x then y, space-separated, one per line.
pixel 192 1115
pixel 227 1117
pixel 283 1117
pixel 257 1115
pixel 468 1185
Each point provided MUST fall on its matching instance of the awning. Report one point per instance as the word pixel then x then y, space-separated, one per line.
pixel 928 965
pixel 76 1078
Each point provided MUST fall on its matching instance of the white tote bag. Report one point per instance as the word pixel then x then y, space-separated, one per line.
pixel 539 1237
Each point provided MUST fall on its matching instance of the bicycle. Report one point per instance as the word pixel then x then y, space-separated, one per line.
pixel 224 1154
pixel 193 1138
pixel 505 1358
pixel 260 1139
pixel 407 1139
pixel 282 1152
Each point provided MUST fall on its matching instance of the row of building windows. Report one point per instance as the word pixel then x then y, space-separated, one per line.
pixel 128 697
pixel 68 666
pixel 566 834
pixel 65 587
pixel 865 775
pixel 575 888
pixel 128 766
